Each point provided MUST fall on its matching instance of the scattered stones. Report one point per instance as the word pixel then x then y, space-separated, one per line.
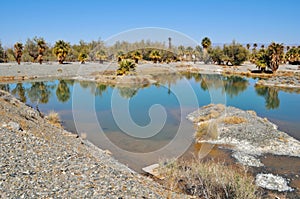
pixel 272 182
pixel 247 160
pixel 14 126
pixel 45 162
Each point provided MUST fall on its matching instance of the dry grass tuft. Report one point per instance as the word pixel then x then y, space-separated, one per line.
pixel 206 130
pixel 53 118
pixel 208 180
pixel 253 113
pixel 234 120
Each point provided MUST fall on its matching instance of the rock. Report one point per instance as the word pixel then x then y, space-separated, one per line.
pixel 256 136
pixel 14 126
pixel 272 182
pixel 247 160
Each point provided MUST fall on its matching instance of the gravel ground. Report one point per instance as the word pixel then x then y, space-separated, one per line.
pixel 39 160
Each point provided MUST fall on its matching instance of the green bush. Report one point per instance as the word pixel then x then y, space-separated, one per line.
pixel 126 66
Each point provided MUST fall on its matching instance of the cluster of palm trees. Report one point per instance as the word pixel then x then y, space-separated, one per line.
pixel 37 49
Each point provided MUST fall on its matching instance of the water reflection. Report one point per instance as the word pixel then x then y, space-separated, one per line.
pixel 127 92
pixel 39 92
pixel 232 85
pixel 63 91
pixel 20 92
pixel 271 96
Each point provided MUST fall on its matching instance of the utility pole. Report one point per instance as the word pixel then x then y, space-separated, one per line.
pixel 170 44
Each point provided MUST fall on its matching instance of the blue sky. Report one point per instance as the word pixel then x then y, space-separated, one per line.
pixel 246 21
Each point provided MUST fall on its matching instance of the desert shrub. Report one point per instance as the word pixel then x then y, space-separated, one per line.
pixel 208 180
pixel 126 66
pixel 234 120
pixel 53 118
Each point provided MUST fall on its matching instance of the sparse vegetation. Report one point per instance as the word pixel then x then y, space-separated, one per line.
pixel 233 54
pixel 208 180
pixel 270 58
pixel 234 120
pixel 53 118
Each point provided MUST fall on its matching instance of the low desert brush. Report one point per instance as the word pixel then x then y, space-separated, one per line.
pixel 53 118
pixel 208 180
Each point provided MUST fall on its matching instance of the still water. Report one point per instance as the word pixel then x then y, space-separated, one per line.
pixel 142 125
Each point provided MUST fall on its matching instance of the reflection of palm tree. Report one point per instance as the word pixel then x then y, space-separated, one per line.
pixel 235 85
pixel 271 96
pixel 20 91
pixel 39 92
pixel 5 87
pixel 232 85
pixel 127 92
pixel 100 89
pixel 62 91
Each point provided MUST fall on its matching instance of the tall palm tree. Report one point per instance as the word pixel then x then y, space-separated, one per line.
pixel 255 46
pixel 248 46
pixel 155 56
pixel 42 47
pixel 206 43
pixel 61 50
pixel 275 53
pixel 18 48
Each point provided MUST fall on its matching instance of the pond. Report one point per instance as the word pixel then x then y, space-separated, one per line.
pixel 140 126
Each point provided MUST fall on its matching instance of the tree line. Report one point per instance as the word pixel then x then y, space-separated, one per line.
pixel 38 50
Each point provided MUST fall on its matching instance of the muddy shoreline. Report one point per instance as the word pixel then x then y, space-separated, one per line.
pixel 287 76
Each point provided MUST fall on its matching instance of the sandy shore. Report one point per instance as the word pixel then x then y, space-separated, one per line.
pixel 287 76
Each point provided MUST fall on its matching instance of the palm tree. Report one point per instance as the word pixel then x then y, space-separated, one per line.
pixel 155 56
pixel 42 47
pixel 254 46
pixel 126 66
pixel 120 55
pixel 248 46
pixel 293 56
pixel 61 50
pixel 82 57
pixel 206 43
pixel 275 53
pixel 136 55
pixel 18 48
pixel 101 55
